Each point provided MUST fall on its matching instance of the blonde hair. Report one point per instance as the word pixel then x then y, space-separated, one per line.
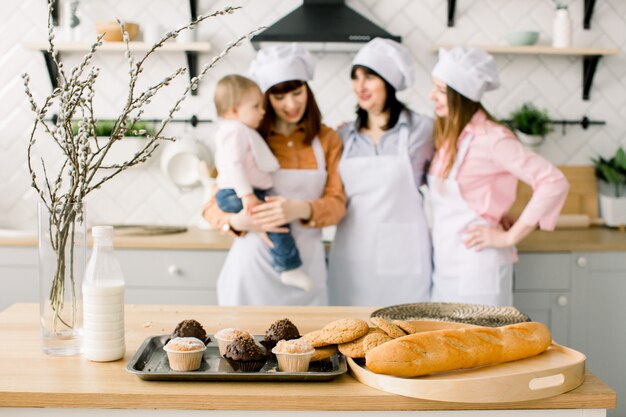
pixel 448 129
pixel 230 91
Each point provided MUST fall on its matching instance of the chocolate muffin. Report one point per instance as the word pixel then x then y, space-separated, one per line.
pixel 191 328
pixel 280 330
pixel 244 355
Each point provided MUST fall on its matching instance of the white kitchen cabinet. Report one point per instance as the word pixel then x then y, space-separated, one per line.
pixel 598 319
pixel 152 276
pixel 541 290
pixel 580 296
pixel 18 272
pixel 171 276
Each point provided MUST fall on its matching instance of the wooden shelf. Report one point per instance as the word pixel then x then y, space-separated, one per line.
pixel 191 50
pixel 587 9
pixel 538 50
pixel 591 56
pixel 120 46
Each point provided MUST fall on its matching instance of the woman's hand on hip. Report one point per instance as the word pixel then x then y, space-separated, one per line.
pixel 278 211
pixel 481 237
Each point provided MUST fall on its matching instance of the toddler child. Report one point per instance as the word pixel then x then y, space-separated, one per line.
pixel 244 163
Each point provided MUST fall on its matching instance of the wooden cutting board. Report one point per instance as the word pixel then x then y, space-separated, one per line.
pixel 581 206
pixel 557 370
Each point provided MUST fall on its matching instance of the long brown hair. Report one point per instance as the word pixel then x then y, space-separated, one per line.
pixel 312 116
pixel 448 129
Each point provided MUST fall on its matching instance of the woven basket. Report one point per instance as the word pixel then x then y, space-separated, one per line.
pixel 480 315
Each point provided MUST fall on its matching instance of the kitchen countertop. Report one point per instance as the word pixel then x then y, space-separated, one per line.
pixel 593 239
pixel 193 238
pixel 29 378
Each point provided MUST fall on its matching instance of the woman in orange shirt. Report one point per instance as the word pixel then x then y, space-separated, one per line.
pixel 307 192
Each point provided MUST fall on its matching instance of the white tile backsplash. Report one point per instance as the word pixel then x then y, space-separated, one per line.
pixel 144 195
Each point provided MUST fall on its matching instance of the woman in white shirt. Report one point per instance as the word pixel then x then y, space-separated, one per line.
pixel 381 253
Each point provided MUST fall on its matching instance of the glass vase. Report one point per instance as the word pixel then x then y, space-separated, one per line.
pixel 62 259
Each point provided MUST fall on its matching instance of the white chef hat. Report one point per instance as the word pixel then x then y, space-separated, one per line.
pixel 470 71
pixel 279 63
pixel 389 59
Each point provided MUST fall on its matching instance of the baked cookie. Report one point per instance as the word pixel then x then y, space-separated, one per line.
pixel 314 339
pixel 406 326
pixel 354 349
pixel 371 340
pixel 388 327
pixel 343 331
pixel 324 352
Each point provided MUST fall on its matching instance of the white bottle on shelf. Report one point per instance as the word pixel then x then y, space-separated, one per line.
pixel 561 29
pixel 103 301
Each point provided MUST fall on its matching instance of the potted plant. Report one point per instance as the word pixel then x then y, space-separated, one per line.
pixel 530 124
pixel 611 174
pixel 133 140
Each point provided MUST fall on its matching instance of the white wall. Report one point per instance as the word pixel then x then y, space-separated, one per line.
pixel 144 195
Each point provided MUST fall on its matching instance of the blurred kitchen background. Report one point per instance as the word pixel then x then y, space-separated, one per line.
pixel 145 195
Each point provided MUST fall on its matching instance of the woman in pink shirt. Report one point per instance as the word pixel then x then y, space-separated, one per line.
pixel 473 180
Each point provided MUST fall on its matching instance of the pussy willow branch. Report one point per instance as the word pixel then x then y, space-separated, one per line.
pixel 76 178
pixel 134 74
pixel 148 149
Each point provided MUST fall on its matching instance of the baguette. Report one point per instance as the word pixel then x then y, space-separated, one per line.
pixel 446 350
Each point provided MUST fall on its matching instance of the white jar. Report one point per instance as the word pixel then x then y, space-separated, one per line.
pixel 188 36
pixel 561 29
pixel 152 33
pixel 103 301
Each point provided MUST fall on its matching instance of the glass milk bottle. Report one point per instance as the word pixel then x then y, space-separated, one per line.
pixel 103 301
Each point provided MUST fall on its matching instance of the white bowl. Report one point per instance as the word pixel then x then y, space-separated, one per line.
pixel 530 140
pixel 180 162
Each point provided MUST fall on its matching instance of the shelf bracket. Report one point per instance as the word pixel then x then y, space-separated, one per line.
pixel 590 63
pixel 192 57
pixel 53 71
pixel 451 11
pixel 589 5
pixel 193 9
pixel 192 67
pixel 51 66
pixel 55 12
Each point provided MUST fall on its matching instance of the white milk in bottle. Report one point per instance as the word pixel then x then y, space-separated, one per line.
pixel 103 301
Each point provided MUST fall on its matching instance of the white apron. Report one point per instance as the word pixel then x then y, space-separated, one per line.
pixel 381 253
pixel 247 277
pixel 463 275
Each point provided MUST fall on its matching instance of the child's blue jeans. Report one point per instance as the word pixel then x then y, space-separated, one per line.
pixel 285 255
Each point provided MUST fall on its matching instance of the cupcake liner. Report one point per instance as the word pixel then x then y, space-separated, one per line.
pixel 293 362
pixel 223 342
pixel 221 345
pixel 247 366
pixel 185 361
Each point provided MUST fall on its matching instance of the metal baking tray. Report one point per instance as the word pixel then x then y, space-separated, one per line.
pixel 150 363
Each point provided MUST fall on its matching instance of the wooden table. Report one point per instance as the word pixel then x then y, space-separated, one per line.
pixel 34 383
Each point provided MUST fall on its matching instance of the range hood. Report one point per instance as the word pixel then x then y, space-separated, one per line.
pixel 323 25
